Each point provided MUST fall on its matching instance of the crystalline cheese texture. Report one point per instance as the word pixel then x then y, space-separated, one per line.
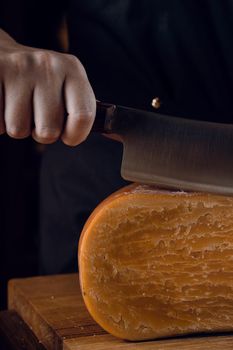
pixel 155 263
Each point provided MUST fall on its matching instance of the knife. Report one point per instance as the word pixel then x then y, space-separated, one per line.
pixel 170 152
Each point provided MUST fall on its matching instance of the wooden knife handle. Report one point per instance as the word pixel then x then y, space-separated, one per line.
pixel 104 118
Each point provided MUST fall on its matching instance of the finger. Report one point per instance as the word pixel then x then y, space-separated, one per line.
pixel 80 105
pixel 49 112
pixel 2 123
pixel 18 109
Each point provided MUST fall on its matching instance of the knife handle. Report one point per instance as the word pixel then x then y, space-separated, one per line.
pixel 105 116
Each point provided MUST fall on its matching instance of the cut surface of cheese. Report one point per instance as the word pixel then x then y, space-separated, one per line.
pixel 155 263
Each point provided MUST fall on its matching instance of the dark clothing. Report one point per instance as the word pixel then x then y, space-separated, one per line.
pixel 73 182
pixel 179 50
pixel 133 50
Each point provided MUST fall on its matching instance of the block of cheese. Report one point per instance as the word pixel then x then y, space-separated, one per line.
pixel 156 263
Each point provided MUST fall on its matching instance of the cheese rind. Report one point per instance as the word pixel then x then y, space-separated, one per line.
pixel 155 263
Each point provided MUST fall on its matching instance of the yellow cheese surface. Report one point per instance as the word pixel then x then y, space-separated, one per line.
pixel 155 263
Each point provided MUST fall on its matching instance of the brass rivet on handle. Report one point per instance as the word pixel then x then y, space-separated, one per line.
pixel 156 103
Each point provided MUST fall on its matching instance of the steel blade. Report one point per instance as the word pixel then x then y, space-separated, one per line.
pixel 177 153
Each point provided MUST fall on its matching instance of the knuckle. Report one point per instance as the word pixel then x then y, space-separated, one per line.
pixel 44 59
pixel 71 58
pixel 84 118
pixel 42 56
pixel 71 142
pixel 67 142
pixel 46 134
pixel 74 62
pixel 21 61
pixel 17 132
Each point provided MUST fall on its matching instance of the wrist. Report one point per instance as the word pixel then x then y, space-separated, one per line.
pixel 4 37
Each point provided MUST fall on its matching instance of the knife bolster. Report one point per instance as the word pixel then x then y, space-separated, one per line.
pixel 112 119
pixel 104 120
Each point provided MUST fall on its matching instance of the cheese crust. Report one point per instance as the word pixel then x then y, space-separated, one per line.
pixel 155 263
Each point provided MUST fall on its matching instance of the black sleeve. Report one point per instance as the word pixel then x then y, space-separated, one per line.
pixel 33 23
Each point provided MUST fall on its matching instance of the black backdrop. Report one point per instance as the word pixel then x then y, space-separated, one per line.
pixel 31 23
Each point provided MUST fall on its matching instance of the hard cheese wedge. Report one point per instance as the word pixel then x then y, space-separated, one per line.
pixel 156 263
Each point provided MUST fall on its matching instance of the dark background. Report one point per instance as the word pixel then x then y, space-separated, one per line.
pixel 30 24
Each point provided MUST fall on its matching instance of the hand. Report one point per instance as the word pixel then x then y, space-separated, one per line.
pixel 43 93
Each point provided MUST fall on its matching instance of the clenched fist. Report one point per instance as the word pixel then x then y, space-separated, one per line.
pixel 43 93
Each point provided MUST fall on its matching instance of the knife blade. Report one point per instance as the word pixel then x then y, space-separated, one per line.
pixel 171 152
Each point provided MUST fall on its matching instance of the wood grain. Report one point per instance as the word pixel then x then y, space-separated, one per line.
pixel 53 308
pixel 107 342
pixel 16 334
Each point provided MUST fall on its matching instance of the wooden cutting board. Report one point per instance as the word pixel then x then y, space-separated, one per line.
pixel 53 308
